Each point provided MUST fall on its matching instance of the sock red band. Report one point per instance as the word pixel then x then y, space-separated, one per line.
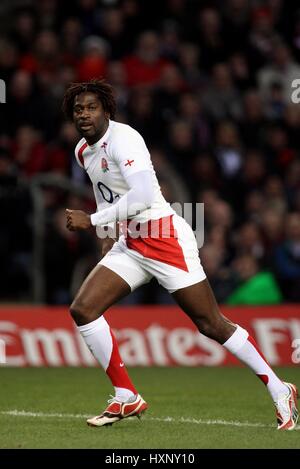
pixel 116 370
pixel 264 378
pixel 252 341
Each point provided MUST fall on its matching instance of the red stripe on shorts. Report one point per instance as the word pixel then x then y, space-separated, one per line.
pixel 160 248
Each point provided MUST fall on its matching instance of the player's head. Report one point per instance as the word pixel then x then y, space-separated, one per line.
pixel 90 105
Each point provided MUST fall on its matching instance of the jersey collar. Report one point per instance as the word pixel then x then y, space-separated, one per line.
pixel 104 138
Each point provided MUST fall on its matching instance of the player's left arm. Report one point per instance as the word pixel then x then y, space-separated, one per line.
pixel 78 220
pixel 139 197
pixel 129 151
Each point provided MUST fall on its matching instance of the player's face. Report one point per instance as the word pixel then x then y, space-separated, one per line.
pixel 89 117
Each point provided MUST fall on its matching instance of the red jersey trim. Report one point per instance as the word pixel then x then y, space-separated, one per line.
pixel 163 249
pixel 80 155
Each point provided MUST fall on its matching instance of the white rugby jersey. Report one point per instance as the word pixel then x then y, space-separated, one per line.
pixel 120 153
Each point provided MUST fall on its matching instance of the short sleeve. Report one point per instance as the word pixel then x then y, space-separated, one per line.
pixel 130 152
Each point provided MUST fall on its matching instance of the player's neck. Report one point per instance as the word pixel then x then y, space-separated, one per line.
pixel 98 136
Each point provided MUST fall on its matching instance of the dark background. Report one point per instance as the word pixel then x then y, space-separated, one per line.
pixel 207 84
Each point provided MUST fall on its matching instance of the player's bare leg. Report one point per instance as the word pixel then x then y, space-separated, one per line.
pixel 101 289
pixel 199 303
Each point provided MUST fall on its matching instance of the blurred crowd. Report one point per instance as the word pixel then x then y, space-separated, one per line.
pixel 208 84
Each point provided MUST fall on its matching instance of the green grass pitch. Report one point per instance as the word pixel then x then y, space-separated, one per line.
pixel 188 408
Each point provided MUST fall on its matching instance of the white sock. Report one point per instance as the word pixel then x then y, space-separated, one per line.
pixel 245 349
pixel 98 337
pixel 123 394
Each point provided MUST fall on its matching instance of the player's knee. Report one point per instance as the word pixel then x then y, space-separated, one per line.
pixel 207 328
pixel 213 327
pixel 81 312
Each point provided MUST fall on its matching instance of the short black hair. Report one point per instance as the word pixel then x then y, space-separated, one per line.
pixel 101 88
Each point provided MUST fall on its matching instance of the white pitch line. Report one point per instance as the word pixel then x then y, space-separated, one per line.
pixel 229 423
pixel 24 413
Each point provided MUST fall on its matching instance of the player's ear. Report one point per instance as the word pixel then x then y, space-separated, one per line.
pixel 107 115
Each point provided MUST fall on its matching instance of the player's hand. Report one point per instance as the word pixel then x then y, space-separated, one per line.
pixel 78 220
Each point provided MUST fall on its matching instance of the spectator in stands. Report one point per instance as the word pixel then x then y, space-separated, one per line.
pixel 178 190
pixel 248 241
pixel 168 92
pixel 278 150
pixel 170 40
pixel 15 233
pixel 29 151
pixel 275 104
pixel 220 214
pixel 283 70
pixel 189 59
pixel 71 34
pixel 220 277
pixel 45 57
pixel 116 76
pixel 9 57
pixel 24 29
pixel 59 156
pixel 208 33
pixel 113 31
pixel 287 258
pixel 229 156
pixel 272 228
pixel 262 36
pixel 253 171
pixel 180 146
pixel 145 66
pixel 144 115
pixel 291 122
pixel 274 193
pixel 93 61
pixel 205 172
pixel 254 205
pixel 292 183
pixel 255 287
pixel 253 122
pixel 241 74
pixel 236 20
pixel 190 109
pixel 221 100
pixel 89 14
